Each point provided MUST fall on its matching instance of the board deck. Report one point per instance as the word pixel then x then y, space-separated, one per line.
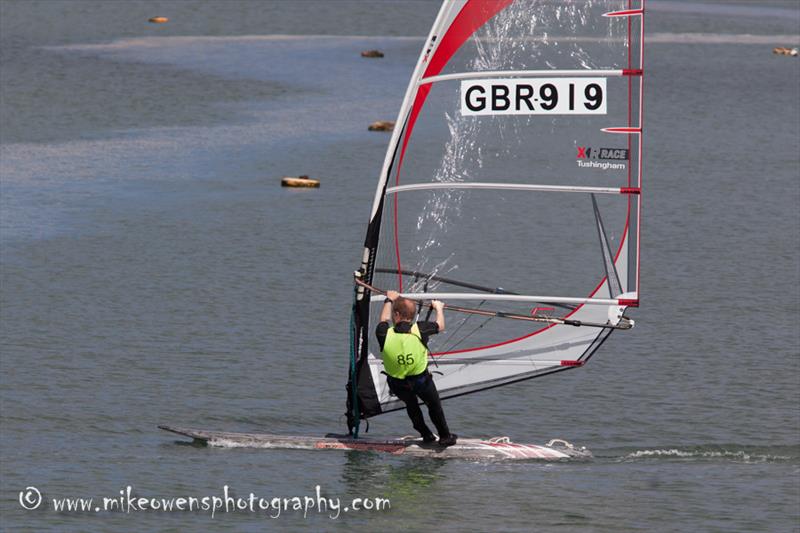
pixel 496 448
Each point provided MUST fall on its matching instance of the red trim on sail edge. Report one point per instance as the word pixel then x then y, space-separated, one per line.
pixel 630 190
pixel 472 16
pixel 571 363
pixel 630 302
pixel 632 72
pixel 625 13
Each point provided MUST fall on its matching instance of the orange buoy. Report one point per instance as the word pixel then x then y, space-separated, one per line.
pixel 381 125
pixel 299 181
pixel 158 20
pixel 371 53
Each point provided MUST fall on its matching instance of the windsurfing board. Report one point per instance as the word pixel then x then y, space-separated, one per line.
pixel 495 448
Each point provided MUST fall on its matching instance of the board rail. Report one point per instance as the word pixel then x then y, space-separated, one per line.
pixel 496 448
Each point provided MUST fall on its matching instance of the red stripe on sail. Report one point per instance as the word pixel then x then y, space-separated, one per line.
pixel 626 13
pixel 472 16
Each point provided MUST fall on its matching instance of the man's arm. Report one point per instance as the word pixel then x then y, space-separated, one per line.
pixel 380 333
pixel 439 307
pixel 386 311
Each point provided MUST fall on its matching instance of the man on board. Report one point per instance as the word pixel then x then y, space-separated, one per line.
pixel 404 348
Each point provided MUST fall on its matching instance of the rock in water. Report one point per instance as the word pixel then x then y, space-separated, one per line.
pixel 371 53
pixel 381 125
pixel 780 50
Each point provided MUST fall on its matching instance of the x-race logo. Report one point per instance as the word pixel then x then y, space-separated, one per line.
pixel 617 154
pixel 602 158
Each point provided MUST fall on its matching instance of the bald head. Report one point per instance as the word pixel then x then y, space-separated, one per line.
pixel 403 310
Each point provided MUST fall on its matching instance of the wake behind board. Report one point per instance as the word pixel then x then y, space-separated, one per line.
pixel 496 448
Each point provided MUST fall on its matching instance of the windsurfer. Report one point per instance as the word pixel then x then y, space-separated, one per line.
pixel 404 347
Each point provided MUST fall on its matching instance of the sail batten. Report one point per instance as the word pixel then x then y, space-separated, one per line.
pixel 512 186
pixel 518 73
pixel 502 298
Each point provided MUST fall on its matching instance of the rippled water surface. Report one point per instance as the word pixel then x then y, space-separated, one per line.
pixel 154 272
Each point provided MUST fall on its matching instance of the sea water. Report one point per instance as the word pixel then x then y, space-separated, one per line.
pixel 154 271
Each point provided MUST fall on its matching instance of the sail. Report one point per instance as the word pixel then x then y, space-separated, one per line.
pixel 510 190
